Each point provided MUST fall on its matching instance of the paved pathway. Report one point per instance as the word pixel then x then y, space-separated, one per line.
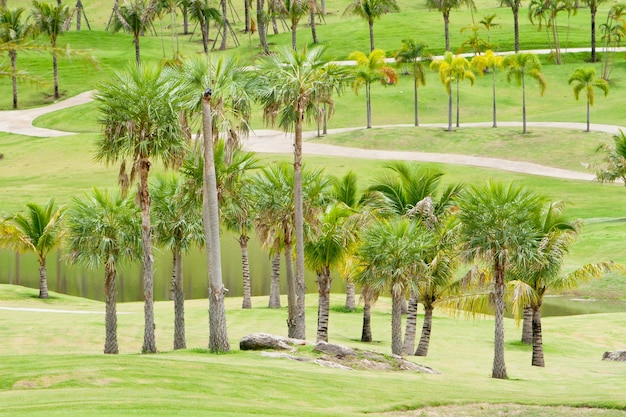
pixel 273 141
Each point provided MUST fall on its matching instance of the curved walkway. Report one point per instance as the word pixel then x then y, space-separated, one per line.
pixel 273 141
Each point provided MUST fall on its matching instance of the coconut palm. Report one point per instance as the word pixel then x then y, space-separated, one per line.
pixel 135 17
pixel 50 20
pixel 370 10
pixel 13 33
pixel 105 230
pixel 177 225
pixel 290 85
pixel 614 166
pixel 520 66
pixel 390 256
pixel 585 79
pixel 499 226
pixel 445 7
pixel 370 69
pixel 39 231
pixel 140 113
pixel 203 12
pixel 489 62
pixel 414 54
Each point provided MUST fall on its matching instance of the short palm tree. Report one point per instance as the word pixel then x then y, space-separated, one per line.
pixel 290 86
pixel 368 70
pixel 13 33
pixel 140 114
pixel 294 10
pixel 499 226
pixel 50 20
pixel 585 79
pixel 39 231
pixel 135 17
pixel 105 230
pixel 370 10
pixel 177 226
pixel 489 62
pixel 203 12
pixel 614 166
pixel 414 54
pixel 520 66
pixel 445 7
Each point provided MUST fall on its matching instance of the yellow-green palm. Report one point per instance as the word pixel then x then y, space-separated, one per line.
pixel 585 79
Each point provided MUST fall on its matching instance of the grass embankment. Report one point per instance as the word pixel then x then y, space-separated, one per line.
pixel 52 364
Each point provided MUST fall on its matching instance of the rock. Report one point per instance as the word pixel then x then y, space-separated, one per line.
pixel 334 350
pixel 262 341
pixel 331 364
pixel 616 355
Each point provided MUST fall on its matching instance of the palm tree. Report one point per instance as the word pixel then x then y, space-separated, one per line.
pixel 614 166
pixel 518 67
pixel 294 10
pixel 140 114
pixel 612 34
pixel 38 231
pixel 488 22
pixel 135 17
pixel 414 53
pixel 203 12
pixel 585 79
pixel 370 10
pixel 445 7
pixel 51 20
pixel 391 254
pixel 498 226
pixel 262 25
pixel 13 33
pixel 515 6
pixel 370 69
pixel 452 68
pixel 177 226
pixel 290 86
pixel 105 230
pixel 489 62
pixel 546 12
pixel 324 251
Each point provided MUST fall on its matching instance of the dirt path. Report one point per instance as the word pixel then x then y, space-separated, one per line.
pixel 273 141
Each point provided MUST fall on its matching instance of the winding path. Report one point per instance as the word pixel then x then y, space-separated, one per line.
pixel 273 141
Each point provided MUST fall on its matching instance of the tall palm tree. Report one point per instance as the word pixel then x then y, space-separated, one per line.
pixel 515 6
pixel 518 67
pixel 290 85
pixel 585 79
pixel 391 254
pixel 452 68
pixel 612 35
pixel 294 10
pixel 499 226
pixel 13 33
pixel 614 166
pixel 370 69
pixel 489 62
pixel 105 230
pixel 135 17
pixel 50 20
pixel 140 113
pixel 323 252
pixel 414 54
pixel 545 12
pixel 370 10
pixel 38 231
pixel 177 225
pixel 203 12
pixel 445 7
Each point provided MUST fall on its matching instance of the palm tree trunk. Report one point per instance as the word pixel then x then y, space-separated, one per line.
pixel 494 96
pixel 588 115
pixel 515 9
pixel 149 340
pixel 294 27
pixel 55 70
pixel 366 332
pixel 312 22
pixel 13 57
pixel 523 105
pixel 137 54
pixel 397 300
pixel 411 324
pixel 350 295
pixel 246 15
pixel 110 321
pixel 450 111
pixel 593 34
pixel 458 103
pixel 225 24
pixel 499 366
pixel 204 29
pixel 527 327
pixel 275 282
pixel 43 279
pixel 537 338
pixel 415 102
pixel 300 331
pixel 245 266
pixel 185 20
pixel 218 337
pixel 422 348
pixel 291 291
pixel 261 26
pixel 371 27
pixel 323 307
pixel 446 24
pixel 178 289
pixel 368 106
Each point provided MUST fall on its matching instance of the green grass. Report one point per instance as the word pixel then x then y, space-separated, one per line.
pixel 52 364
